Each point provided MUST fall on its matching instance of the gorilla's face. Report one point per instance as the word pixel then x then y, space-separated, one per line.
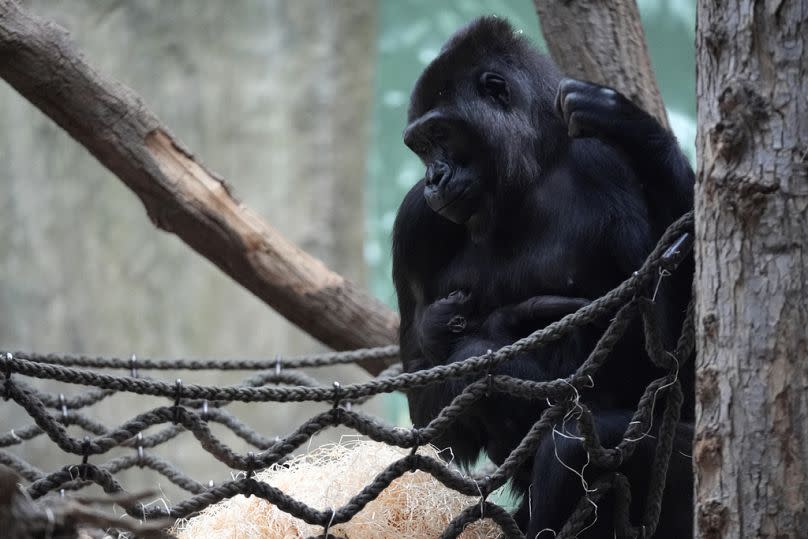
pixel 453 185
pixel 464 125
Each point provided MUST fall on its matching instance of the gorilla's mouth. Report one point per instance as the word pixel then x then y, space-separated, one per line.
pixel 459 196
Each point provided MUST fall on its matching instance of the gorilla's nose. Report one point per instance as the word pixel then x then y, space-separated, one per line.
pixel 436 173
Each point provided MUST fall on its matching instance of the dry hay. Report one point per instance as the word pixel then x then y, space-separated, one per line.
pixel 416 505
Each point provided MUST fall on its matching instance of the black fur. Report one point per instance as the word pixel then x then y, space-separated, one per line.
pixel 535 186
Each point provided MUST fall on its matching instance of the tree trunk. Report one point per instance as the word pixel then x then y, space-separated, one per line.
pixel 603 42
pixel 751 449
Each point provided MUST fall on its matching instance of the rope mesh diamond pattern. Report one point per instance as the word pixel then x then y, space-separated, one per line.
pixel 196 406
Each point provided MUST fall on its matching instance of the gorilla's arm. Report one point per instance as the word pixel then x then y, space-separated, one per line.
pixel 417 261
pixel 545 308
pixel 663 172
pixel 509 323
pixel 592 110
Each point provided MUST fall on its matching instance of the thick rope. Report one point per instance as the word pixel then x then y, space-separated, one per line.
pixel 195 406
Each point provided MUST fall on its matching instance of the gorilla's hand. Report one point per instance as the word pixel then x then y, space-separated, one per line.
pixel 592 110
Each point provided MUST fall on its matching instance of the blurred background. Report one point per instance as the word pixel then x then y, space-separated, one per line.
pixel 300 106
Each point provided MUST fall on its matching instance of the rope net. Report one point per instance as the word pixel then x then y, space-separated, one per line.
pixel 193 407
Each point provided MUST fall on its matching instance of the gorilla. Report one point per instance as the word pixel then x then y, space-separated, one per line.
pixel 540 194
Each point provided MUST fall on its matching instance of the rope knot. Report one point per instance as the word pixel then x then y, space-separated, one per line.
pixel 337 401
pixel 416 435
pixel 84 467
pixel 250 483
pixel 177 398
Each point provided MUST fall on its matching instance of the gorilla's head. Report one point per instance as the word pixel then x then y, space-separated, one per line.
pixel 482 119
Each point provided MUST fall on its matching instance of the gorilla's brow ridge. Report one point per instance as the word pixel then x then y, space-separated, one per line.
pixel 475 44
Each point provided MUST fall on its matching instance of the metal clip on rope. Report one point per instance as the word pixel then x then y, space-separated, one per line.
pixel 84 467
pixel 139 445
pixel 133 366
pixel 7 374
pixel 63 405
pixel 677 252
pixel 337 400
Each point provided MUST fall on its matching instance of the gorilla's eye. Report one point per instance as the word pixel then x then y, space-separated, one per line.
pixel 495 86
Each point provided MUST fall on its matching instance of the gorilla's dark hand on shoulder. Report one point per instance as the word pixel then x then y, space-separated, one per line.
pixel 592 110
pixel 535 186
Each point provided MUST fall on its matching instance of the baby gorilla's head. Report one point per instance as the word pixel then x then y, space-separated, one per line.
pixel 450 314
pixel 447 321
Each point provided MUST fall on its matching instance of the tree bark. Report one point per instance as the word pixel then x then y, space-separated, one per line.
pixel 180 195
pixel 602 42
pixel 751 449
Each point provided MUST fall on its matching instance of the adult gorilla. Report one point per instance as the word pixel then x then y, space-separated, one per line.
pixel 535 186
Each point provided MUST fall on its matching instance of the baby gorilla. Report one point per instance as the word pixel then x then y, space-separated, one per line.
pixel 451 329
pixel 455 328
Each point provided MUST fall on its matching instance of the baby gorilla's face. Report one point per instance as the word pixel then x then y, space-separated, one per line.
pixel 450 313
